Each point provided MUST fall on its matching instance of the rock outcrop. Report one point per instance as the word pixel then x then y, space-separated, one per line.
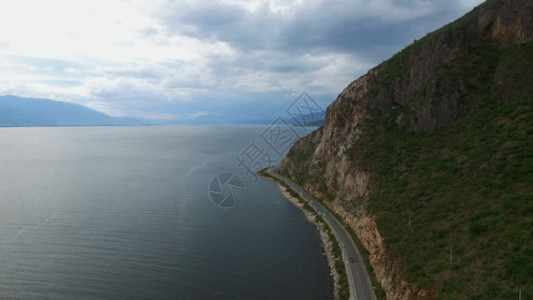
pixel 423 87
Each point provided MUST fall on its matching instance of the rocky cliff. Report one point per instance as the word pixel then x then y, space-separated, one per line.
pixel 385 123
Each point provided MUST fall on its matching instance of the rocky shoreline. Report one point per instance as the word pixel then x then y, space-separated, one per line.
pixel 327 244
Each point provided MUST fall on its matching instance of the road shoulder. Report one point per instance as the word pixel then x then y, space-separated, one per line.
pixel 332 250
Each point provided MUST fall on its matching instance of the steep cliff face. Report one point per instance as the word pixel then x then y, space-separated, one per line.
pixel 484 56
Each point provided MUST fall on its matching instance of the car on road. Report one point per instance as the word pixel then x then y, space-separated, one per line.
pixel 352 260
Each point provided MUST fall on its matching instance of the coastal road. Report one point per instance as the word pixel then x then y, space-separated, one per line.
pixel 360 286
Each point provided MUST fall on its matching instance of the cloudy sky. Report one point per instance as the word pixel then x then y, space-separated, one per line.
pixel 184 59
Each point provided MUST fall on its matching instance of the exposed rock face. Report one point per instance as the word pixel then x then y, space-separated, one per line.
pixel 511 24
pixel 389 276
pixel 430 92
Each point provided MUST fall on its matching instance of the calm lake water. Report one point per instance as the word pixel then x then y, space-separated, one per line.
pixel 123 212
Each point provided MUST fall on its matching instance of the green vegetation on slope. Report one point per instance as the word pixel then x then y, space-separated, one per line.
pixel 455 206
pixel 466 189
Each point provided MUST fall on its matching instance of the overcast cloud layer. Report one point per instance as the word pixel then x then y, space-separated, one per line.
pixel 176 60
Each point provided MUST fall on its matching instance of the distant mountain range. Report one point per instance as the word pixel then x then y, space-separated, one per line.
pixel 27 112
pixel 314 120
pixel 31 112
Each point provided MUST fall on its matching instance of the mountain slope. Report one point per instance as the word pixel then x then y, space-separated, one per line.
pixel 16 111
pixel 430 156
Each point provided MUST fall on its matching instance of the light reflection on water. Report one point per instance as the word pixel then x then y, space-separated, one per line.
pixel 113 212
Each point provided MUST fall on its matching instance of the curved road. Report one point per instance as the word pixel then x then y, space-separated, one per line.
pixel 360 286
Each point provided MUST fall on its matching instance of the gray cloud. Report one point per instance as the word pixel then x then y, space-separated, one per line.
pixel 229 56
pixel 318 47
pixel 339 26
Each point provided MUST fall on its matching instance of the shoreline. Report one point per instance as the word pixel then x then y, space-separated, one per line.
pixel 327 243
